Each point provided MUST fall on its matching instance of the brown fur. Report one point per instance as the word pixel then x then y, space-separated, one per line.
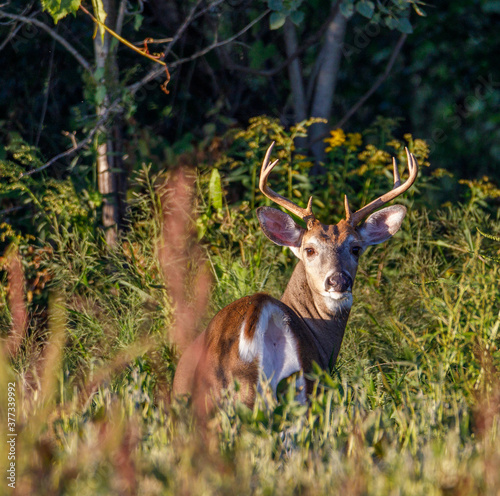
pixel 212 363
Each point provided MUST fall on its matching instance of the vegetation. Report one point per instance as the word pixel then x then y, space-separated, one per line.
pixel 127 221
pixel 412 406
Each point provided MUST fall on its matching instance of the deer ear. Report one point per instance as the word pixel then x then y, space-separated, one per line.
pixel 381 225
pixel 279 227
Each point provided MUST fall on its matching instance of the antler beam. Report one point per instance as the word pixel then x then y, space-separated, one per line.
pixel 398 189
pixel 303 213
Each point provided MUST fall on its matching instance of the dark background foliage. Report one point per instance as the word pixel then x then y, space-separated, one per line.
pixel 444 85
pixel 91 316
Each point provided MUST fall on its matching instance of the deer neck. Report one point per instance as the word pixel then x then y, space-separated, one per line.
pixel 326 323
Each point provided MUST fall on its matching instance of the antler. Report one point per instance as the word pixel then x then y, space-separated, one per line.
pixel 304 213
pixel 356 217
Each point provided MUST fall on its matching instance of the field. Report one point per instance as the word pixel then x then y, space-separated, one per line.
pixel 92 338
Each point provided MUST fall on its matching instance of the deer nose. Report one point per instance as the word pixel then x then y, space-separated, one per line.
pixel 339 282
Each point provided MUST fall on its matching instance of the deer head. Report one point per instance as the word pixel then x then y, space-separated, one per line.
pixel 330 253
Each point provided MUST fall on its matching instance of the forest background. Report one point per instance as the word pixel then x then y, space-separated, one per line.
pixel 109 267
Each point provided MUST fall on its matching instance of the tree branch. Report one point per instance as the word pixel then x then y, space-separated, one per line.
pixel 71 150
pixel 154 73
pixel 65 43
pixel 11 209
pixel 303 47
pixel 372 90
pixel 218 44
pixel 11 35
pixel 77 146
pixel 183 27
pixel 46 96
pixel 120 16
pixel 376 84
pixel 136 86
pixel 133 88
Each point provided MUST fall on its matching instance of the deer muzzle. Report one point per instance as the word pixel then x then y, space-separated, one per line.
pixel 338 282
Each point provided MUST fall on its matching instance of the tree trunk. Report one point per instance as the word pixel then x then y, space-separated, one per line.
pixel 295 73
pixel 329 62
pixel 296 80
pixel 109 162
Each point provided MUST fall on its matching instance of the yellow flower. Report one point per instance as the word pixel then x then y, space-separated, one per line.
pixel 374 157
pixel 394 143
pixel 441 173
pixel 354 140
pixel 302 159
pixel 482 187
pixel 421 150
pixel 337 138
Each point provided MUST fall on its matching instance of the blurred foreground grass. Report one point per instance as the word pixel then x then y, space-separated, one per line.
pixel 412 407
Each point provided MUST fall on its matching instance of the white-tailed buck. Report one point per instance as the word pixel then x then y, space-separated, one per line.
pixel 258 336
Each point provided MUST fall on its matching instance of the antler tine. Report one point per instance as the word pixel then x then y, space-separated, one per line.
pixel 397 179
pixel 348 213
pixel 397 190
pixel 303 213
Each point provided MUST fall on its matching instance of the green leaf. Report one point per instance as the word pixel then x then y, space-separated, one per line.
pixel 391 23
pixel 297 17
pixel 405 26
pixel 275 4
pixel 100 15
pixel 347 9
pixel 60 8
pixel 99 74
pixel 100 94
pixel 138 19
pixel 382 8
pixel 366 9
pixel 491 6
pixel 276 20
pixel 259 53
pixel 300 410
pixel 215 190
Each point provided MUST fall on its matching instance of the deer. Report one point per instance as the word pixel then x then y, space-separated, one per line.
pixel 258 338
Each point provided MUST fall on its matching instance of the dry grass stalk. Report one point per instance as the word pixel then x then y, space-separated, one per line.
pixel 186 277
pixel 181 259
pixel 487 419
pixel 17 303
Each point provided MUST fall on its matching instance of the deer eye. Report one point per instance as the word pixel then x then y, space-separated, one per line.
pixel 310 252
pixel 356 250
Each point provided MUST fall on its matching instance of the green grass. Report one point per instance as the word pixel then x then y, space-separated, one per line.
pixel 412 406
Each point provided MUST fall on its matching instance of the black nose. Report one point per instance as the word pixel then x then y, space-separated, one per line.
pixel 340 282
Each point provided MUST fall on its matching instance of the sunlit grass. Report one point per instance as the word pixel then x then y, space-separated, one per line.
pixel 412 406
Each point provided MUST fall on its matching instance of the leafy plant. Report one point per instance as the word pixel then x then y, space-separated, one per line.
pixel 411 406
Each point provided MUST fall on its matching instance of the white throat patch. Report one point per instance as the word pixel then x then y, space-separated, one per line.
pixel 336 301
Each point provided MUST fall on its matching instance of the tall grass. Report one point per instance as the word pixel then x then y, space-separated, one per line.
pixel 412 406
